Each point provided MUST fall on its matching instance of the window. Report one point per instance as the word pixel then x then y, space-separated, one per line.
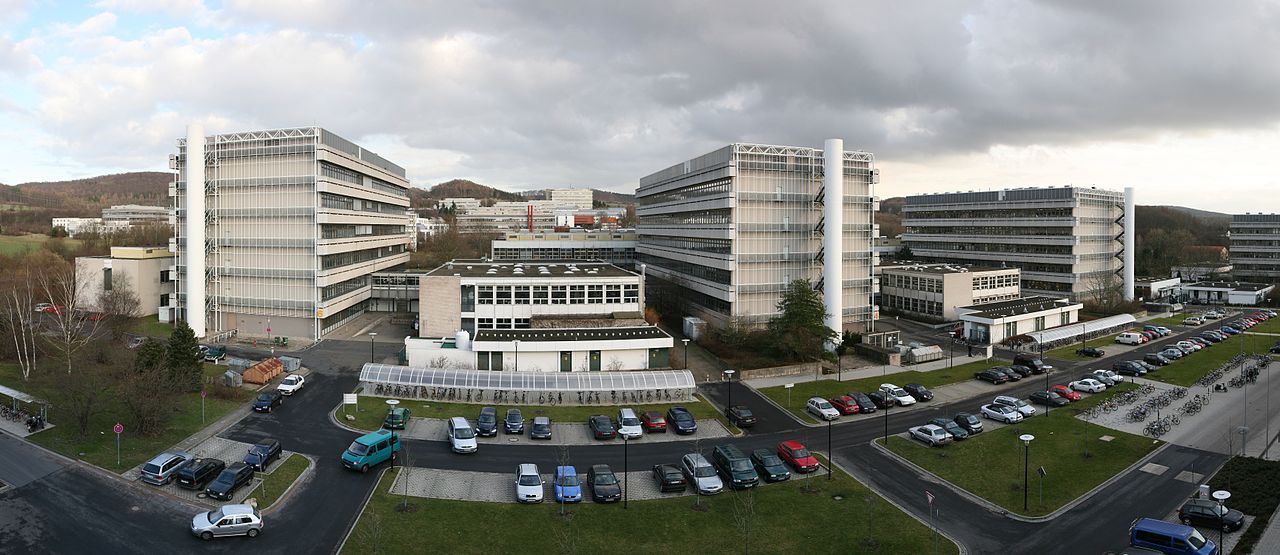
pixel 540 294
pixel 522 294
pixel 631 293
pixel 577 294
pixel 1066 318
pixel 595 294
pixel 502 294
pixel 559 294
pixel 484 294
pixel 106 279
pixel 468 298
pixel 613 294
pixel 1039 323
pixel 1010 329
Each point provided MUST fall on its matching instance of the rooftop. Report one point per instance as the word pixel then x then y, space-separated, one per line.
pixel 576 334
pixel 1025 305
pixel 1149 280
pixel 937 268
pixel 1233 285
pixel 529 269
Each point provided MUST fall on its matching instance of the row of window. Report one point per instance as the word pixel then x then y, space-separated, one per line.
pixel 994 247
pixel 564 253
pixel 995 298
pixel 983 283
pixel 714 246
pixel 908 304
pixel 998 231
pixel 342 288
pixel 552 294
pixel 341 202
pixel 343 231
pixel 990 213
pixel 699 271
pixel 927 284
pixel 710 188
pixel 697 217
pixel 340 173
pixel 331 261
pixel 332 321
pixel 502 323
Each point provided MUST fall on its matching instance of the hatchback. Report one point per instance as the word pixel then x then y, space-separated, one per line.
pixel 769 466
pixel 701 474
pixel 653 422
pixel 230 480
pixel 845 404
pixel 682 420
pixel 528 484
pixel 268 400
pixel 514 422
pixel 798 456
pixel 820 408
pixel 601 427
pixel 1207 512
pixel 669 478
pixel 740 416
pixel 229 520
pixel 487 422
pixel 568 488
pixel 604 484
pixel 540 428
pixel 261 454
pixel 969 422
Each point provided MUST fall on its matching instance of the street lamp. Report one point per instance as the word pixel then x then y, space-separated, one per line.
pixel 728 376
pixel 517 344
pixel 626 488
pixel 372 335
pixel 686 352
pixel 830 461
pixel 1026 460
pixel 1221 496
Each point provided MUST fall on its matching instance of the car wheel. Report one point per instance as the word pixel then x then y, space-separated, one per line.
pixel 252 533
pixel 1226 527
pixel 206 536
pixel 364 468
pixel 1186 521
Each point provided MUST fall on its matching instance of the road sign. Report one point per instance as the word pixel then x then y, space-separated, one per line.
pixel 1041 472
pixel 349 399
pixel 204 394
pixel 788 386
pixel 929 495
pixel 118 428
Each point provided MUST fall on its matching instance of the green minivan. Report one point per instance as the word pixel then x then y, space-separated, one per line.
pixel 371 449
pixel 397 418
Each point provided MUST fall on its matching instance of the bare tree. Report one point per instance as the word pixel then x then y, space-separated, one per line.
pixel 744 515
pixel 72 328
pixel 562 459
pixel 17 312
pixel 371 530
pixel 697 495
pixel 1105 290
pixel 119 304
pixel 406 466
pixel 615 364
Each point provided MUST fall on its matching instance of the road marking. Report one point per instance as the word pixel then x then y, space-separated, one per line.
pixel 1153 468
pixel 1188 477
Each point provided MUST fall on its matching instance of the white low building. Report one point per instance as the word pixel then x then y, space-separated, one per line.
pixel 1225 292
pixel 994 323
pixel 933 292
pixel 1156 289
pixel 545 350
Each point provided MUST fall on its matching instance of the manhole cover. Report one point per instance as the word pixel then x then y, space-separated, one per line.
pixel 135 508
pixel 513 439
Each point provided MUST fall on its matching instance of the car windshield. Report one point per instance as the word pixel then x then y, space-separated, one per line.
pixel 744 411
pixel 258 450
pixel 358 448
pixel 657 418
pixel 606 479
pixel 630 421
pixel 486 418
pixel 530 480
pixel 899 392
pixel 800 453
pixel 291 380
pixel 463 433
pixel 568 481
pixel 823 405
pixel 683 417
pixel 770 460
pixel 214 515
pixel 540 426
pixel 151 468
pixel 704 471
pixel 513 417
pixel 1019 402
pixel 264 396
pixel 740 465
pixel 1195 539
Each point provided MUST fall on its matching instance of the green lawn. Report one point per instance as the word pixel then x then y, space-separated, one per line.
pixel 1255 490
pixel 1269 326
pixel 1167 321
pixel 150 326
pixel 17 244
pixel 1187 370
pixel 1069 352
pixel 278 479
pixel 987 464
pixel 828 388
pixel 791 517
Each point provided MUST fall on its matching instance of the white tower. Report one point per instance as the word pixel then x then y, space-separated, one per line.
pixel 1129 217
pixel 195 225
pixel 833 233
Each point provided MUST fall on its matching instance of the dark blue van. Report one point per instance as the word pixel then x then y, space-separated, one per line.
pixel 1167 537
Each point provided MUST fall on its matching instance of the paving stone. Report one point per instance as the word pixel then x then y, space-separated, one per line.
pixel 214 448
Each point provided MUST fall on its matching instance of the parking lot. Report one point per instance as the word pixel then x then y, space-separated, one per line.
pixel 435 429
pixel 215 448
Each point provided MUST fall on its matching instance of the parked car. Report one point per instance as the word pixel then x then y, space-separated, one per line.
pixel 601 427
pixel 735 465
pixel 918 391
pixel 228 520
pixel 1207 513
pixel 215 353
pixel 231 479
pixel 629 424
pixel 487 422
pixel 820 408
pixel 653 422
pixel 371 449
pixel 701 474
pixel 969 422
pixel 865 404
pixel 880 400
pixel 42 307
pixel 1229 330
pixel 1193 321
pixel 1128 368
pixel 1106 379
pixel 797 455
pixel 1275 349
pixel 1093 352
pixel 991 375
pixel 1146 365
pixel 1016 404
pixel 161 468
pixel 845 404
pixel 268 400
pixel 291 384
pixel 1189 345
pixel 1163 536
pixel 462 437
pixel 1066 392
pixel 1172 354
pixel 514 422
pixel 770 466
pixel 682 420
pixel 1003 413
pixel 604 484
pixel 899 395
pixel 135 342
pixel 1020 370
pixel 1036 365
pixel 196 473
pixel 567 487
pixel 740 416
pixel 528 484
pixel 540 428
pixel 397 418
pixel 262 453
pixel 669 478
pixel 933 435
pixel 1008 373
pixel 957 433
pixel 1048 399
pixel 1156 359
pixel 1089 385
pixel 1130 338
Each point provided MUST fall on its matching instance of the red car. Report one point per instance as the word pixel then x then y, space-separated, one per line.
pixel 653 422
pixel 797 455
pixel 95 316
pixel 845 404
pixel 55 309
pixel 1066 392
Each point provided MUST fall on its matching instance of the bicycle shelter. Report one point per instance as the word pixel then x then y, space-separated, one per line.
pixel 568 388
pixel 16 396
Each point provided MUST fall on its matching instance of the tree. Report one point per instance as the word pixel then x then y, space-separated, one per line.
pixel 799 331
pixel 82 396
pixel 119 304
pixel 183 357
pixel 904 253
pixel 149 389
pixel 72 328
pixel 17 313
pixel 744 515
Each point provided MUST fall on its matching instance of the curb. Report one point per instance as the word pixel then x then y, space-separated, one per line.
pixel 288 492
pixel 781 408
pixel 961 547
pixel 351 528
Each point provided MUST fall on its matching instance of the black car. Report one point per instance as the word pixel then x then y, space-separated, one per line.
pixel 514 422
pixel 920 392
pixel 770 466
pixel 969 422
pixel 540 428
pixel 1275 349
pixel 1022 371
pixel 230 480
pixel 991 376
pixel 680 419
pixel 1049 398
pixel 1206 512
pixel 740 416
pixel 487 422
pixel 604 484
pixel 1036 365
pixel 268 400
pixel 865 404
pixel 196 473
pixel 261 454
pixel 669 478
pixel 1156 359
pixel 1091 352
pixel 881 400
pixel 1128 368
pixel 958 433
pixel 1008 372
pixel 601 427
pixel 1145 365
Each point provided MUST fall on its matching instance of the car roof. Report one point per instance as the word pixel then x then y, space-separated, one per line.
pixel 598 468
pixel 458 422
pixel 541 420
pixel 697 458
pixel 677 409
pixel 488 410
pixel 812 399
pixel 566 471
pixel 792 444
pixel 237 509
pixel 1160 526
pixel 626 411
pixel 168 455
pixel 527 468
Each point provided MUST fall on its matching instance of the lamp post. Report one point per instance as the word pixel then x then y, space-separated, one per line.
pixel 372 335
pixel 626 489
pixel 516 342
pixel 686 352
pixel 1026 460
pixel 1221 496
pixel 728 376
pixel 830 461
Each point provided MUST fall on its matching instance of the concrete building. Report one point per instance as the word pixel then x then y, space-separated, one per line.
pixel 506 216
pixel 430 226
pixel 290 227
pixel 1157 289
pixel 1200 271
pixel 1066 240
pixel 77 226
pixel 1225 292
pixel 461 204
pixel 932 292
pixel 1255 247
pixel 732 228
pixel 580 198
pixel 135 214
pixel 994 323
pixel 147 271
pixel 545 350
pixel 617 247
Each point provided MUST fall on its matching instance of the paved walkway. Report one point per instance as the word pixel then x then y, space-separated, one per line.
pixel 1270 541
pixel 866 372
pixel 436 429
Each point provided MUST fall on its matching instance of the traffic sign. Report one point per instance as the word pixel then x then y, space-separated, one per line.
pixel 929 495
pixel 119 428
pixel 1041 472
pixel 203 394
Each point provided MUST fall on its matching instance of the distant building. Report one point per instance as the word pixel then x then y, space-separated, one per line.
pixel 997 322
pixel 462 204
pixel 506 216
pixel 135 214
pixel 934 291
pixel 147 271
pixel 1225 292
pixel 616 246
pixel 1255 247
pixel 1156 289
pixel 1200 271
pixel 77 226
pixel 580 198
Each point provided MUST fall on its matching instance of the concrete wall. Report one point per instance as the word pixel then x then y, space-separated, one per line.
pixel 439 306
pixel 141 275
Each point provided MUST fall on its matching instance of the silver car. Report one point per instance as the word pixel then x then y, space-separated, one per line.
pixel 229 520
pixel 701 474
pixel 160 470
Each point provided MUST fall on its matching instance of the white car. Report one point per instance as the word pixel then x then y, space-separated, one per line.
pixel 629 424
pixel 462 437
pixel 932 434
pixel 291 384
pixel 528 484
pixel 1015 403
pixel 1107 374
pixel 42 307
pixel 1003 413
pixel 1190 345
pixel 1214 315
pixel 820 408
pixel 1089 385
pixel 898 394
pixel 1193 321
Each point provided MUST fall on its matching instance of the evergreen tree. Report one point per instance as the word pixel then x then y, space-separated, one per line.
pixel 183 357
pixel 799 331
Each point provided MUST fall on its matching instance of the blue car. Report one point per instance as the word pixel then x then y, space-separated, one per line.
pixel 1229 330
pixel 567 485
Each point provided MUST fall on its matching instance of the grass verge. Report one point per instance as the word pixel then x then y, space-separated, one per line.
pixel 1167 321
pixel 1187 370
pixel 1255 489
pixel 1070 450
pixel 18 244
pixel 1269 326
pixel 150 326
pixel 829 388
pixel 1069 352
pixel 791 517
pixel 280 477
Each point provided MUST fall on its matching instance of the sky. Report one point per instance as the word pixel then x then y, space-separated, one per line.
pixel 1167 96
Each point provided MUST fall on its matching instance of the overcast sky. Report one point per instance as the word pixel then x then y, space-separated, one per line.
pixel 1174 98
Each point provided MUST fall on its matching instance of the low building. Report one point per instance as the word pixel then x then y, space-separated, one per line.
pixel 1224 292
pixel 77 226
pixel 998 322
pixel 932 292
pixel 1200 271
pixel 502 217
pixel 545 350
pixel 461 204
pixel 430 226
pixel 581 198
pixel 145 270
pixel 1156 289
pixel 617 246
pixel 135 214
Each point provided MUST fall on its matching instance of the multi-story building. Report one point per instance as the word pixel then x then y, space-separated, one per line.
pixel 934 291
pixel 77 226
pixel 502 217
pixel 1068 241
pixel 617 246
pixel 146 271
pixel 461 204
pixel 135 214
pixel 731 229
pixel 580 198
pixel 1255 247
pixel 290 225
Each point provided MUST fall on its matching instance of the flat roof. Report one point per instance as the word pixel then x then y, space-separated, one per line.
pixel 574 334
pixel 1025 305
pixel 938 267
pixel 1154 279
pixel 530 269
pixel 1234 285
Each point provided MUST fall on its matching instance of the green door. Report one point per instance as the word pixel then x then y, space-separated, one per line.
pixel 659 358
pixel 594 356
pixel 566 361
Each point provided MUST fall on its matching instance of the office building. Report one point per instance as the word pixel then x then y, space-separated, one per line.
pixel 997 322
pixel 77 226
pixel 290 227
pixel 135 214
pixel 506 216
pixel 1255 247
pixel 1237 293
pixel 461 204
pixel 579 198
pixel 1068 241
pixel 932 292
pixel 1156 289
pixel 146 271
pixel 617 247
pixel 730 230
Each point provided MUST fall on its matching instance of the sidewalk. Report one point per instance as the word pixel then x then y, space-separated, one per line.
pixel 1270 540
pixel 864 372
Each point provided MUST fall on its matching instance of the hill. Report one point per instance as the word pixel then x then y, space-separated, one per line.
pixel 611 198
pixel 468 189
pixel 148 188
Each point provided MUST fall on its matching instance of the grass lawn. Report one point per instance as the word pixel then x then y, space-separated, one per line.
pixel 987 464
pixel 17 244
pixel 829 388
pixel 280 477
pixel 151 326
pixel 1069 352
pixel 1187 370
pixel 1167 321
pixel 1269 326
pixel 791 517
pixel 371 411
pixel 98 446
pixel 1255 490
